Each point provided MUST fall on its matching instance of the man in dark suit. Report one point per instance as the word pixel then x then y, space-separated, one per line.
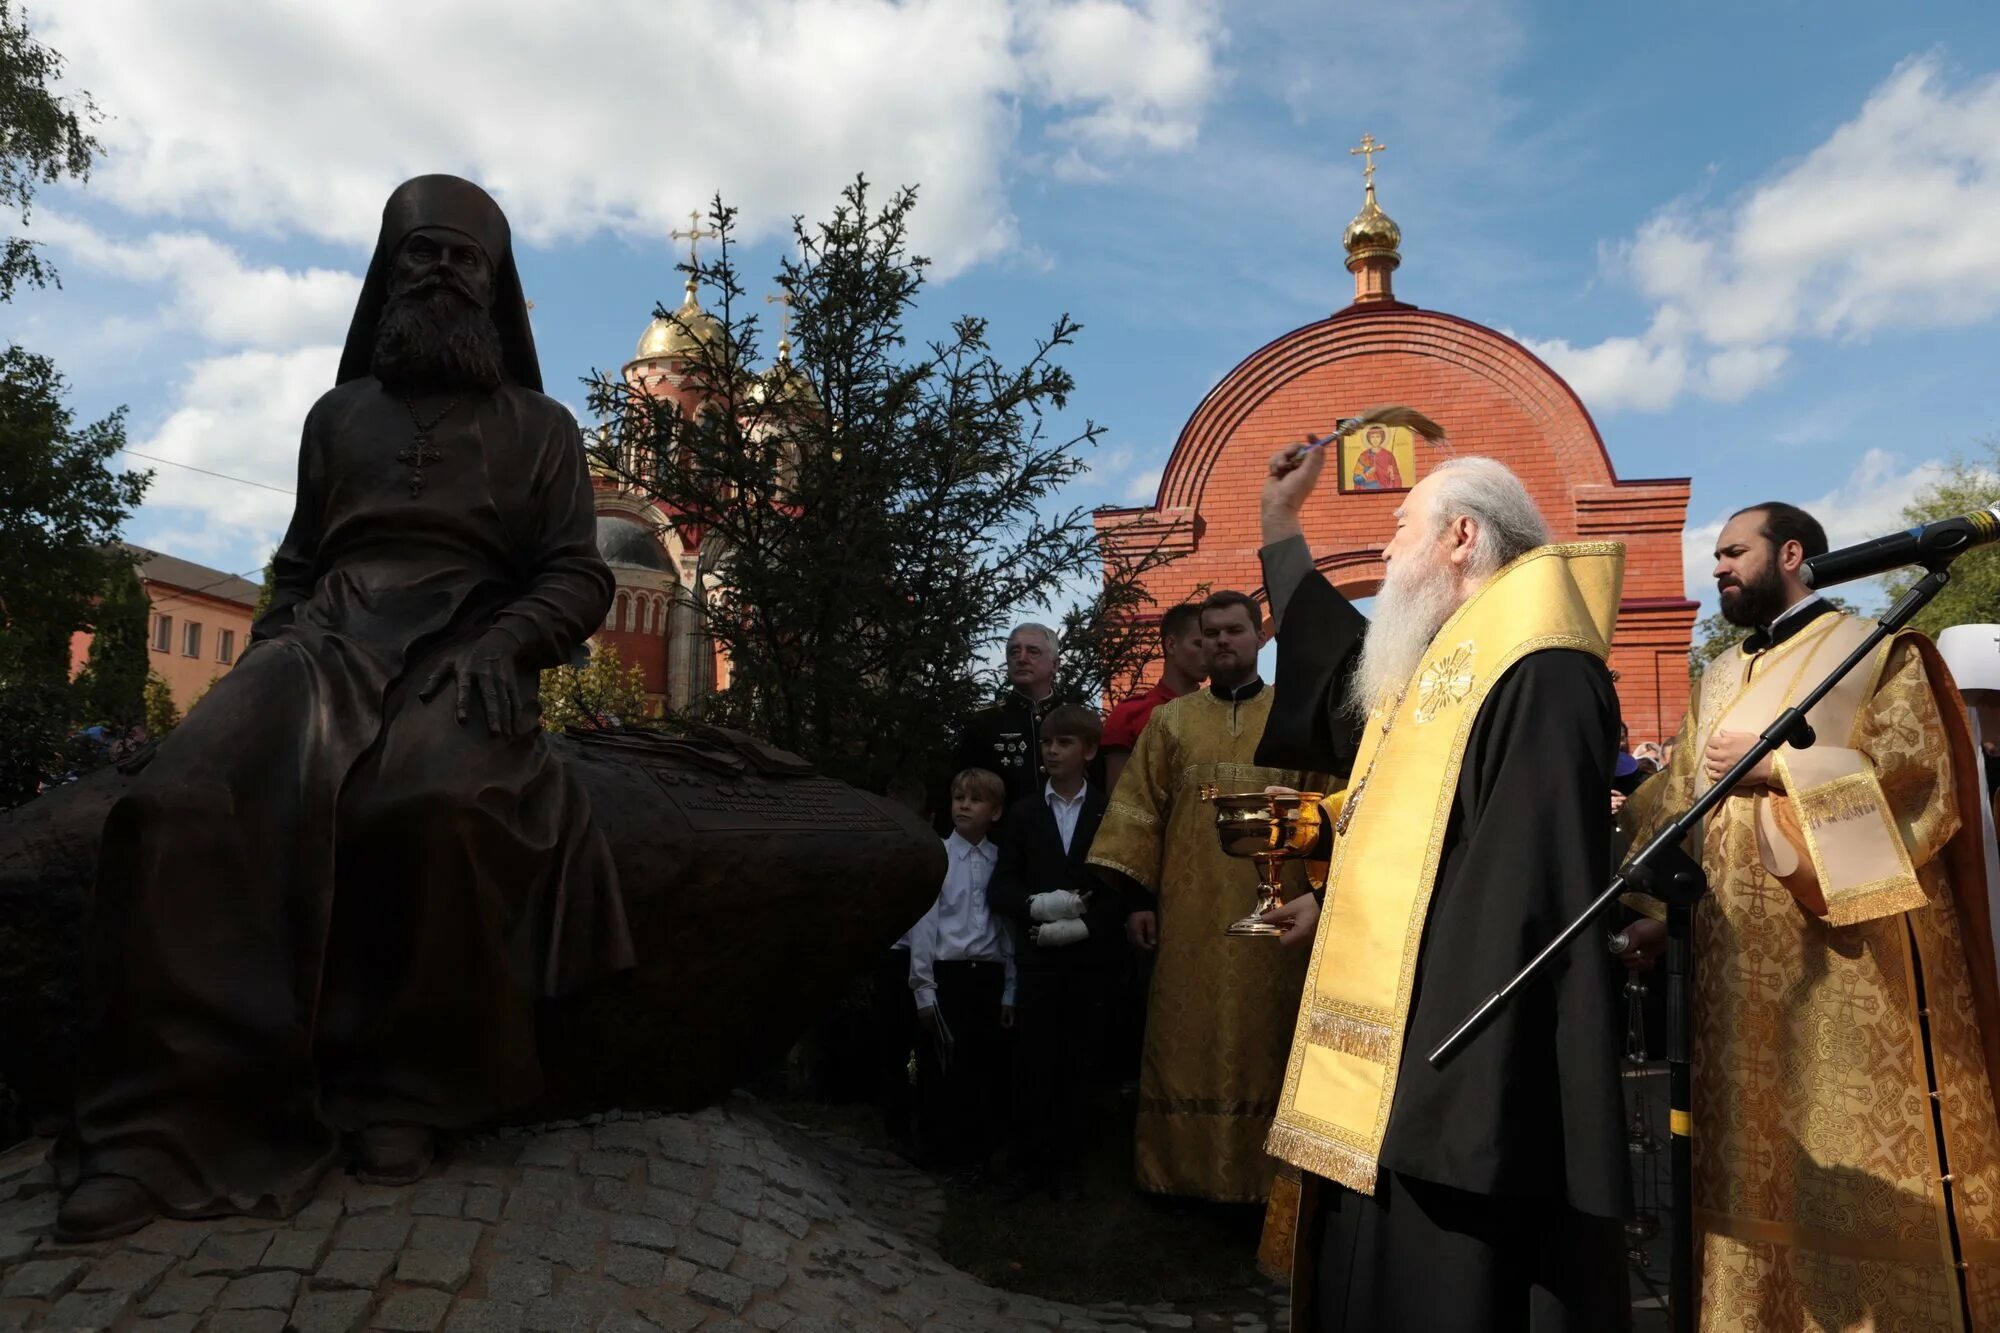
pixel 1067 927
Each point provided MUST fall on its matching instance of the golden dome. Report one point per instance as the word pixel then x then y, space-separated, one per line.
pixel 1372 232
pixel 690 328
pixel 784 382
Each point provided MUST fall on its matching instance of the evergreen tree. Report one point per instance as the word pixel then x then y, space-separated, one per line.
pixel 873 516
pixel 111 689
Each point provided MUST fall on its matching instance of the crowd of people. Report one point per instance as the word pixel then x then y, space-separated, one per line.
pixel 1847 1010
pixel 1078 940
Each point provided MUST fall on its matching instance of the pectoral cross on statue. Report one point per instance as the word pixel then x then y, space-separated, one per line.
pixel 418 454
pixel 415 457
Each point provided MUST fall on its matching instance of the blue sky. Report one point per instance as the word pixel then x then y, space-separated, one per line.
pixel 1761 239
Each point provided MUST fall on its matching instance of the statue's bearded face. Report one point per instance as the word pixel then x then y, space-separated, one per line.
pixel 437 330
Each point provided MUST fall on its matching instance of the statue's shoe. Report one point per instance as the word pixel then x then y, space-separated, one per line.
pixel 104 1207
pixel 394 1154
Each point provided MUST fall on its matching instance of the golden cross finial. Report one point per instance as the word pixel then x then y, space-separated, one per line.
pixel 694 236
pixel 1367 151
pixel 784 303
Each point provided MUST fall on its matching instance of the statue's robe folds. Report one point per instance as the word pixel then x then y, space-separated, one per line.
pixel 1219 1011
pixel 327 903
pixel 1846 1157
pixel 1491 1193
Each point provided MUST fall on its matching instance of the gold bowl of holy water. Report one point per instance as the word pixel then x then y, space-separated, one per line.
pixel 1268 828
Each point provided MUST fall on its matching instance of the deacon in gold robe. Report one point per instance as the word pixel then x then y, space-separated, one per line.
pixel 1219 1011
pixel 1489 1194
pixel 1846 1157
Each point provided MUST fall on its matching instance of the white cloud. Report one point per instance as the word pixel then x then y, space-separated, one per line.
pixel 1144 486
pixel 621 115
pixel 1888 224
pixel 214 293
pixel 1620 372
pixel 238 415
pixel 1142 74
pixel 1869 503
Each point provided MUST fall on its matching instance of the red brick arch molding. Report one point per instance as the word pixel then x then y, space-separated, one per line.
pixel 1494 397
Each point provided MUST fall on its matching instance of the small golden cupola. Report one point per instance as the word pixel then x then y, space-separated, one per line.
pixel 690 328
pixel 680 335
pixel 1373 240
pixel 785 382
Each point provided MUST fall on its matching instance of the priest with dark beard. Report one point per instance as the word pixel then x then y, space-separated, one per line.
pixel 1476 720
pixel 325 910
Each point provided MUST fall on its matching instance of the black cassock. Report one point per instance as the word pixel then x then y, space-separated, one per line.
pixel 326 903
pixel 1503 1183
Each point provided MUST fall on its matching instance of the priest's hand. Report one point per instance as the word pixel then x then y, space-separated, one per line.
pixel 1725 748
pixel 1143 930
pixel 1299 918
pixel 1645 939
pixel 1293 473
pixel 486 666
pixel 1006 1015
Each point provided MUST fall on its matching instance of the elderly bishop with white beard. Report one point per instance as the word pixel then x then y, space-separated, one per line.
pixel 1476 719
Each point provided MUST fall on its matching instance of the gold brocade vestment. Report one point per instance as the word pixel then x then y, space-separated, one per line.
pixel 1218 1017
pixel 1823 1196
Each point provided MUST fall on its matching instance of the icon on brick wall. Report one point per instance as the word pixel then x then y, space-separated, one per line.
pixel 1378 458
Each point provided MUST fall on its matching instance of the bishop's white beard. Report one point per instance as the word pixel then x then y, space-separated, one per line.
pixel 1416 599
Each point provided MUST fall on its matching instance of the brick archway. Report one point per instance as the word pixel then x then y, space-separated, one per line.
pixel 1494 397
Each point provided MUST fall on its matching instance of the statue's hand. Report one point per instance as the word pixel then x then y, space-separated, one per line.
pixel 486 665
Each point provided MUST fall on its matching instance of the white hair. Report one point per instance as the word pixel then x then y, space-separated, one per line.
pixel 1421 592
pixel 1048 636
pixel 1485 491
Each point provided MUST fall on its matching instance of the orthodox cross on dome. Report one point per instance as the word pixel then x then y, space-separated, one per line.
pixel 694 236
pixel 782 300
pixel 785 321
pixel 1367 151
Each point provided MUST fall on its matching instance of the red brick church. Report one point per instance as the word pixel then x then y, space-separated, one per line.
pixel 1492 396
pixel 665 564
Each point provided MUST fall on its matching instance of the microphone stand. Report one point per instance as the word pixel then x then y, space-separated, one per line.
pixel 1663 869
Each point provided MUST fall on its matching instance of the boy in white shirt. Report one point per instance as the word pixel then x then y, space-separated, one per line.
pixel 962 970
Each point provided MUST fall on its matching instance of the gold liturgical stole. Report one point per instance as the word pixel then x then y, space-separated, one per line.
pixel 1348 1044
pixel 1829 835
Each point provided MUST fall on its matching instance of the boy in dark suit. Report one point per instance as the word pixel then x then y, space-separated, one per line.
pixel 1066 926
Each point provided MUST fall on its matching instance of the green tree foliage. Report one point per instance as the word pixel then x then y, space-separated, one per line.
pixel 1973 595
pixel 264 593
pixel 603 692
pixel 60 505
pixel 161 714
pixel 42 140
pixel 874 515
pixel 111 688
pixel 61 508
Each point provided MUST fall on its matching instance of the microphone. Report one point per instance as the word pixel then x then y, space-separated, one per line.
pixel 1932 543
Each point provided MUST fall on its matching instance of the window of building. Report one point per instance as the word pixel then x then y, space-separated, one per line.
pixel 163 634
pixel 191 639
pixel 225 645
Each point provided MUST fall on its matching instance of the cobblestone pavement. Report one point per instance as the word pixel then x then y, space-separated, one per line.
pixel 725 1220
